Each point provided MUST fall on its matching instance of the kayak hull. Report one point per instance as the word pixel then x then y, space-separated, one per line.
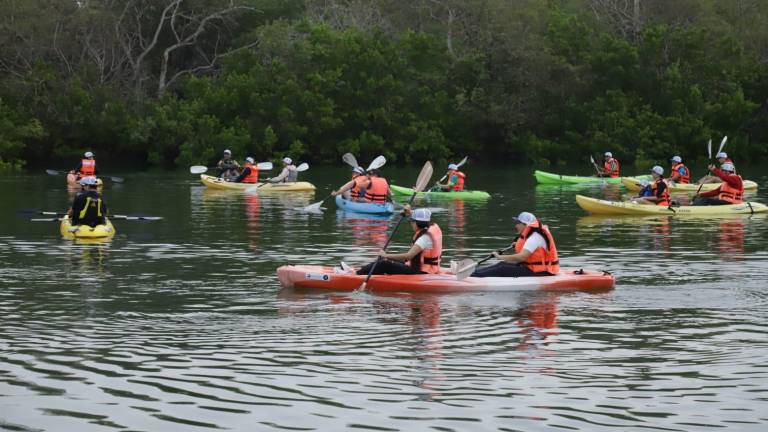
pixel 364 207
pixel 598 206
pixel 219 183
pixel 465 194
pixel 324 277
pixel 70 232
pixel 635 186
pixel 543 177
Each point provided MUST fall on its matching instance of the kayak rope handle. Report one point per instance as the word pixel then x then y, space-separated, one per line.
pixel 579 272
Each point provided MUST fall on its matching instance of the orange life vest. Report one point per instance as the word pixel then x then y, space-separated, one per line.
pixel 88 167
pixel 428 260
pixel 253 175
pixel 664 198
pixel 731 194
pixel 459 186
pixel 355 192
pixel 378 190
pixel 680 178
pixel 541 260
pixel 607 167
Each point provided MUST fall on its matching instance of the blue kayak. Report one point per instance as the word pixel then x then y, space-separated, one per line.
pixel 364 207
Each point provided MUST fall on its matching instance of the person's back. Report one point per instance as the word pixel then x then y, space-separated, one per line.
pixel 88 208
pixel 378 191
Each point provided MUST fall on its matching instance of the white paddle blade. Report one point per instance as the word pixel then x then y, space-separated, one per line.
pixel 350 160
pixel 722 143
pixel 302 167
pixel 424 176
pixel 198 169
pixel 377 163
pixel 313 208
pixel 463 161
pixel 465 268
pixel 264 166
pixel 709 148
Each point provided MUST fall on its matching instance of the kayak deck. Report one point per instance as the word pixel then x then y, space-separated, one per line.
pixel 599 206
pixel 84 231
pixel 364 207
pixel 635 186
pixel 325 277
pixel 464 194
pixel 219 183
pixel 544 177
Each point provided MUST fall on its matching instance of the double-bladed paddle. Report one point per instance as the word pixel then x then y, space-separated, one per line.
pixel 421 182
pixel 301 168
pixel 350 160
pixel 200 169
pixel 458 165
pixel 121 217
pixel 594 164
pixel 60 172
pixel 467 266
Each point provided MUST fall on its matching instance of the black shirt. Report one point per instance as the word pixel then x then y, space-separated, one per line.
pixel 94 213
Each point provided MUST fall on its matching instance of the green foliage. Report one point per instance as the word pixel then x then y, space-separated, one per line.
pixel 15 129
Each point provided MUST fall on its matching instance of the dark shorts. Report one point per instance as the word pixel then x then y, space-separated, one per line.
pixel 505 269
pixel 388 267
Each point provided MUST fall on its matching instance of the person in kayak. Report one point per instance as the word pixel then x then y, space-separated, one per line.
pixel 730 191
pixel 424 254
pixel 535 252
pixel 377 189
pixel 722 158
pixel 288 174
pixel 227 166
pixel 250 173
pixel 88 207
pixel 354 189
pixel 454 179
pixel 680 173
pixel 659 190
pixel 610 166
pixel 86 167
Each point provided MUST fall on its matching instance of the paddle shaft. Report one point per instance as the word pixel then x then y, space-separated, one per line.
pixel 389 240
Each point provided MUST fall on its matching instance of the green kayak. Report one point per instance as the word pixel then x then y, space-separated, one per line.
pixel 465 194
pixel 544 177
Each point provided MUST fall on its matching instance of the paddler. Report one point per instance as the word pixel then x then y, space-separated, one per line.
pixel 250 173
pixel 659 189
pixel 87 166
pixel 377 189
pixel 227 166
pixel 354 189
pixel 535 252
pixel 454 179
pixel 424 254
pixel 722 158
pixel 288 174
pixel 610 166
pixel 679 173
pixel 730 191
pixel 88 208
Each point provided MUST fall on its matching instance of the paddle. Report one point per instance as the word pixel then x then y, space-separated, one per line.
pixel 301 168
pixel 421 182
pixel 199 169
pixel 121 217
pixel 467 266
pixel 594 164
pixel 59 172
pixel 350 160
pixel 709 152
pixel 458 165
pixel 375 164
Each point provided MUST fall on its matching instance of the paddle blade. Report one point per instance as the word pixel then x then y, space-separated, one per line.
pixel 116 179
pixel 350 160
pixel 424 176
pixel 377 163
pixel 709 148
pixel 197 169
pixel 302 167
pixel 465 268
pixel 45 220
pixel 264 166
pixel 53 172
pixel 722 143
pixel 463 161
pixel 144 218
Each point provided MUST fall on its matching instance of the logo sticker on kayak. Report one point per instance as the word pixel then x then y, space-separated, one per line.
pixel 317 276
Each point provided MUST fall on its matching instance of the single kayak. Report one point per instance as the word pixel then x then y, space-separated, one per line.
pixel 364 207
pixel 325 277
pixel 635 186
pixel 543 177
pixel 68 231
pixel 464 194
pixel 219 183
pixel 598 206
pixel 73 182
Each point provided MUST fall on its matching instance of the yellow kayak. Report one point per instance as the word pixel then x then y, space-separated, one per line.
pixel 219 183
pixel 84 231
pixel 598 206
pixel 634 185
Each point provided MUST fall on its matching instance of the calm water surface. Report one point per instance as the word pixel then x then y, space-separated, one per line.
pixel 182 325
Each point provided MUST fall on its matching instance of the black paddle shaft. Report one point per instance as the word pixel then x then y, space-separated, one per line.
pixel 389 240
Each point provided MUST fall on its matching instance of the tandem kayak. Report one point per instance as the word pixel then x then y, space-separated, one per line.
pixel 598 206
pixel 635 186
pixel 324 277
pixel 219 183
pixel 544 177
pixel 84 231
pixel 364 207
pixel 465 194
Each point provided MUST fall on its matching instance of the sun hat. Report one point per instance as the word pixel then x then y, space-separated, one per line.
pixel 249 159
pixel 453 167
pixel 722 155
pixel 677 159
pixel 88 154
pixel 287 160
pixel 524 218
pixel 421 215
pixel 359 170
pixel 727 167
pixel 88 181
pixel 609 154
pixel 227 152
pixel 658 170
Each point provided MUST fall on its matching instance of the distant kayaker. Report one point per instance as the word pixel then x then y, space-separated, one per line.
pixel 288 174
pixel 680 173
pixel 722 158
pixel 250 173
pixel 355 188
pixel 454 179
pixel 227 166
pixel 610 166
pixel 87 166
pixel 88 207
pixel 424 254
pixel 535 252
pixel 730 191
pixel 659 189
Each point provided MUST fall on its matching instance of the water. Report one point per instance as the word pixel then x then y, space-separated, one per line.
pixel 181 324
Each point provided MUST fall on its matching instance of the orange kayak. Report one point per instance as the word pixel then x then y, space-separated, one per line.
pixel 325 277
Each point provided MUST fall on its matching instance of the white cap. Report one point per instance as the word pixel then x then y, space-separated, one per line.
pixel 453 167
pixel 677 159
pixel 88 181
pixel 88 154
pixel 227 152
pixel 421 215
pixel 722 155
pixel 287 160
pixel 608 154
pixel 359 170
pixel 658 170
pixel 249 159
pixel 524 218
pixel 727 167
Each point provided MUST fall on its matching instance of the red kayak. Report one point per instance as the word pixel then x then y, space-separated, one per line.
pixel 325 277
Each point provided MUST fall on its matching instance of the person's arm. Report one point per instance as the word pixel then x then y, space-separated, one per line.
pixel 220 164
pixel 283 174
pixel 403 257
pixel 349 185
pixel 79 167
pixel 733 180
pixel 532 243
pixel 710 194
pixel 244 174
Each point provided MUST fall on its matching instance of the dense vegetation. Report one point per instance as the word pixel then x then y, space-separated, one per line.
pixel 171 82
